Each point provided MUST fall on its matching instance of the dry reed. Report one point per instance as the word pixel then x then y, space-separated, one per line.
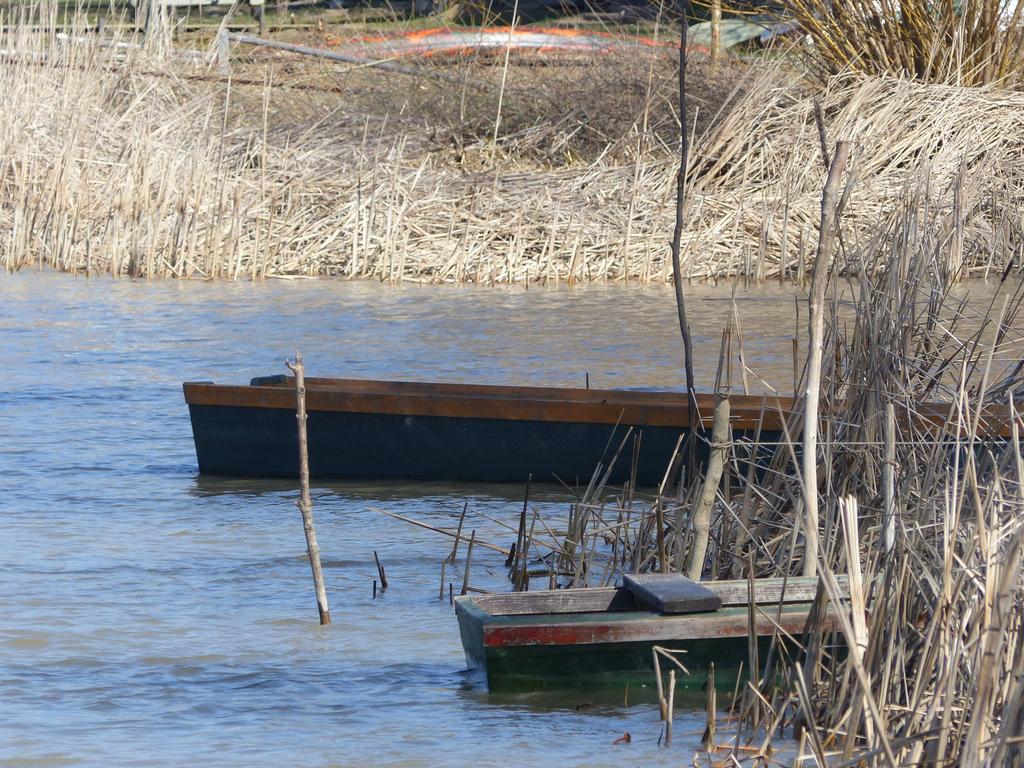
pixel 135 162
pixel 924 518
pixel 971 42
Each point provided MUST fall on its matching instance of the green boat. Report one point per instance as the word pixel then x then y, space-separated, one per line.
pixel 603 637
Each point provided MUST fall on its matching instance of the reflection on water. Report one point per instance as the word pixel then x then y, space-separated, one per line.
pixel 152 617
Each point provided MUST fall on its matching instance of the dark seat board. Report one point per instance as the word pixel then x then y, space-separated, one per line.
pixel 671 592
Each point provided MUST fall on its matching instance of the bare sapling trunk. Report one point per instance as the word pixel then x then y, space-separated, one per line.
pixel 677 236
pixel 822 266
pixel 305 503
pixel 712 479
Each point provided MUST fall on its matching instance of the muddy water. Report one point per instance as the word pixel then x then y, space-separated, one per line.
pixel 150 617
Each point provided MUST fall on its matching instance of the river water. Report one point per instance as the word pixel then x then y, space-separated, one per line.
pixel 150 617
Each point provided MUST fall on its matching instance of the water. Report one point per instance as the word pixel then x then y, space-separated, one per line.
pixel 149 617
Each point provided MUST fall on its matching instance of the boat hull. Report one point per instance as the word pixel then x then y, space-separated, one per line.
pixel 604 637
pixel 262 442
pixel 366 429
pixel 618 665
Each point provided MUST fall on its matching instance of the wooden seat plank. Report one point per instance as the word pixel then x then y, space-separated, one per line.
pixel 671 592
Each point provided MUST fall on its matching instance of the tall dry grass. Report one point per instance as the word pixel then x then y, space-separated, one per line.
pixel 922 515
pixel 141 163
pixel 969 42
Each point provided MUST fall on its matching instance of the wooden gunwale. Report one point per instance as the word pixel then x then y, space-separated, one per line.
pixel 641 627
pixel 603 636
pixel 612 615
pixel 572 405
pixel 734 593
pixel 523 407
pixel 559 394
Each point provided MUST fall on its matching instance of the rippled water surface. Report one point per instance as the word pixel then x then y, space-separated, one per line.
pixel 152 617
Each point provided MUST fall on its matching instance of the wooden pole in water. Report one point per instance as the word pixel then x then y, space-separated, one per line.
pixel 305 503
pixel 822 265
pixel 380 571
pixel 671 706
pixel 677 235
pixel 710 709
pixel 469 563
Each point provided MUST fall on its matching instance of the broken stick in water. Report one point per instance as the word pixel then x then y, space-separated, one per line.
pixel 469 562
pixel 305 503
pixel 380 571
pixel 671 706
pixel 711 706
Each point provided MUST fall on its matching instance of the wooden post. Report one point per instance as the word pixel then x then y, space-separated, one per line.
pixel 223 52
pixel 152 17
pixel 305 503
pixel 716 30
pixel 677 235
pixel 712 479
pixel 822 265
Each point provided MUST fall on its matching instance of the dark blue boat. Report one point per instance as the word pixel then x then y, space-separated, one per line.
pixel 413 430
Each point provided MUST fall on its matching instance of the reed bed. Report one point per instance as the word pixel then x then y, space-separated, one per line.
pixel 142 163
pixel 923 516
pixel 973 42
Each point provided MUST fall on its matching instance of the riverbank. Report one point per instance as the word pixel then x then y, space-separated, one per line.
pixel 142 163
